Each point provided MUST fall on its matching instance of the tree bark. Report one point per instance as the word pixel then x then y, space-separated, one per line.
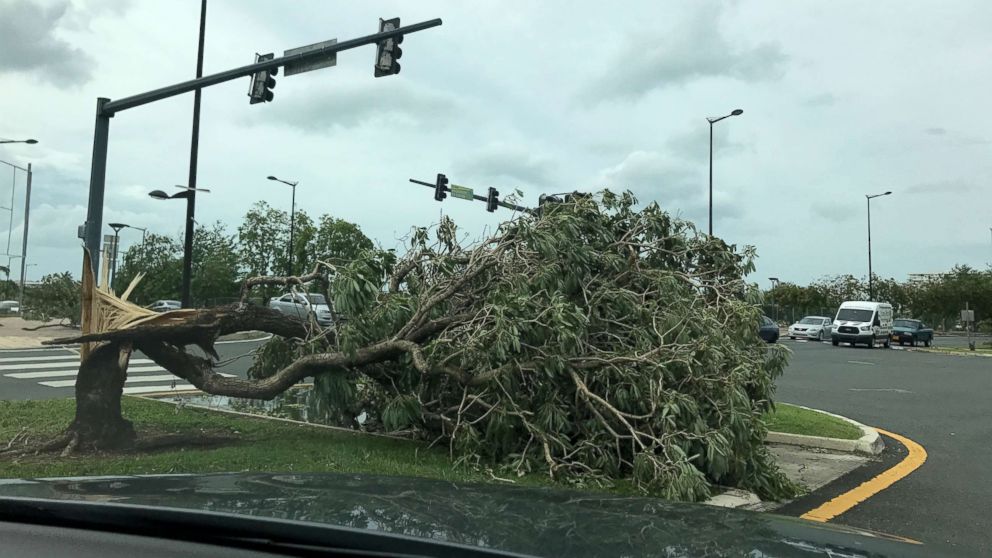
pixel 98 424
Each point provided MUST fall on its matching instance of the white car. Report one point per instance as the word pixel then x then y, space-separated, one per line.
pixel 303 306
pixel 811 327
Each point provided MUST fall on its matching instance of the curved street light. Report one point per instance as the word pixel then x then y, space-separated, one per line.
pixel 712 121
pixel 292 218
pixel 871 280
pixel 188 244
pixel 27 141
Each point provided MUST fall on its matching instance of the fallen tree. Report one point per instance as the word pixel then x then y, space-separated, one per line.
pixel 591 341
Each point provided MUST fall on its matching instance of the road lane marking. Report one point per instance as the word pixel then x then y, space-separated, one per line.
pixel 896 390
pixel 917 456
pixel 158 389
pixel 136 379
pixel 40 359
pixel 60 364
pixel 861 362
pixel 72 372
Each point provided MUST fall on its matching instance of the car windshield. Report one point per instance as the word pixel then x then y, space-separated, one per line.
pixel 854 315
pixel 532 262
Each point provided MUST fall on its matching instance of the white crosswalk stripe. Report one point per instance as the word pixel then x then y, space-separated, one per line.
pixel 60 372
pixel 73 372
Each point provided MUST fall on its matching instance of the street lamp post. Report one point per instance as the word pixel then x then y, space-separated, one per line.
pixel 186 193
pixel 292 219
pixel 871 280
pixel 27 211
pixel 712 121
pixel 113 264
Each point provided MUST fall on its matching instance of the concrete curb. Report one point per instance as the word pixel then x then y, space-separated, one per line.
pixel 949 353
pixel 870 442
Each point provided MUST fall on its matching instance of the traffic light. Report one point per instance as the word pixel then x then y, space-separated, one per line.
pixel 263 82
pixel 388 52
pixel 492 200
pixel 440 186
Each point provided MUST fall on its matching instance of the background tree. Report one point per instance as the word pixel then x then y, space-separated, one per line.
pixel 340 242
pixel 159 257
pixel 262 239
pixel 215 266
pixel 55 298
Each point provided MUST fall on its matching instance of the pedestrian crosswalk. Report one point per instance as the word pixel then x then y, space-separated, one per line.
pixel 60 370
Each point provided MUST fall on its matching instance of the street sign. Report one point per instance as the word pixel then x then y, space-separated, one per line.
pixel 311 64
pixel 461 192
pixel 967 316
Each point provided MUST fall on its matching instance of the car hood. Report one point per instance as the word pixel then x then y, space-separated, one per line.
pixel 531 521
pixel 806 326
pixel 321 308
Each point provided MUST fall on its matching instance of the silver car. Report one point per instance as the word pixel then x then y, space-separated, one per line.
pixel 165 305
pixel 304 306
pixel 812 327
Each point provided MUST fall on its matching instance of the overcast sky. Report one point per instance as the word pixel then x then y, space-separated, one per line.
pixel 840 99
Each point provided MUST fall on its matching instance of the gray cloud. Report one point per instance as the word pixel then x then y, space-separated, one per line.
pixel 500 162
pixel 956 186
pixel 654 177
pixel 348 104
pixel 28 44
pixel 693 143
pixel 694 50
pixel 935 131
pixel 832 211
pixel 821 100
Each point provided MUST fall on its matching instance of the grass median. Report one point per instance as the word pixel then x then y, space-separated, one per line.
pixel 791 419
pixel 194 440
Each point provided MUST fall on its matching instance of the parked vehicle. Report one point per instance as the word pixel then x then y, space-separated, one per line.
pixel 303 307
pixel 905 330
pixel 811 327
pixel 862 322
pixel 165 305
pixel 768 329
pixel 10 307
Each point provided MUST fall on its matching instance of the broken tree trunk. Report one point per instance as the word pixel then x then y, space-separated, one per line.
pixel 99 424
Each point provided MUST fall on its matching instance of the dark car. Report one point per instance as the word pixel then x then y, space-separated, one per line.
pixel 905 330
pixel 242 514
pixel 768 330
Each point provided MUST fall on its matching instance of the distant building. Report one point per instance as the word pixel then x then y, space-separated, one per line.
pixel 918 278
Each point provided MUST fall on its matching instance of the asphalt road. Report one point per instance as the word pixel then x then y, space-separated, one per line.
pixel 941 402
pixel 51 373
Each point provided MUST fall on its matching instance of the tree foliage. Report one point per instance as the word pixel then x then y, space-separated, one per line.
pixel 594 341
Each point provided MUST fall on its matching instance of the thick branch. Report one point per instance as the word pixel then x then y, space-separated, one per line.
pixel 199 372
pixel 274 280
pixel 203 327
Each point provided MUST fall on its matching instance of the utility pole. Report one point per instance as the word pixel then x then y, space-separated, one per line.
pixel 24 237
pixel 194 146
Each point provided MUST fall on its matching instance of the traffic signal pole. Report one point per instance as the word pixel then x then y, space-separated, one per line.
pixel 106 108
pixel 478 197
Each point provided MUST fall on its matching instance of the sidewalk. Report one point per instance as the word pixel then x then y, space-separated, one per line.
pixel 13 336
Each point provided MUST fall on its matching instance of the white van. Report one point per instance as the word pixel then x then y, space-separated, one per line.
pixel 862 322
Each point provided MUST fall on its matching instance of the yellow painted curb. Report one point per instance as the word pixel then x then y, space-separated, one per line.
pixel 844 502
